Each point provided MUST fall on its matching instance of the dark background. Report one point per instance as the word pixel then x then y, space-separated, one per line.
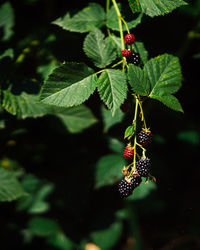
pixel 166 219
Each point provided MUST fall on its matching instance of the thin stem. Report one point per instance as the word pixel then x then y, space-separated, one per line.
pixel 107 9
pixel 120 30
pixel 100 71
pixel 135 139
pixel 127 28
pixel 116 64
pixel 142 113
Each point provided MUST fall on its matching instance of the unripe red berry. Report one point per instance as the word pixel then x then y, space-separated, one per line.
pixel 126 52
pixel 128 152
pixel 129 39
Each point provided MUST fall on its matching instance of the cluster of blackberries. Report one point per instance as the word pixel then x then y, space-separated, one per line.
pixel 128 184
pixel 131 56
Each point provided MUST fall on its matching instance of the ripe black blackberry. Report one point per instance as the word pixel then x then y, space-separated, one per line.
pixel 126 187
pixel 144 137
pixel 133 58
pixel 143 167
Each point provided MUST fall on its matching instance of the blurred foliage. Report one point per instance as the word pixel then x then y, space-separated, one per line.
pixel 62 165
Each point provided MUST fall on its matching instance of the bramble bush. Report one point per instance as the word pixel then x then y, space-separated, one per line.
pixel 84 106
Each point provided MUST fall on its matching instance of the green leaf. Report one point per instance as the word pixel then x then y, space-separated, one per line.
pixel 143 190
pixel 7 53
pixel 99 50
pixel 155 7
pixel 110 120
pixel 61 241
pixel 108 237
pixel 108 170
pixel 170 101
pixel 23 105
pixel 112 20
pixel 10 188
pixel 190 136
pixel 115 145
pixel 112 88
pixel 76 119
pixel 129 131
pixel 164 74
pixel 138 80
pixel 85 20
pixel 139 48
pixel 44 227
pixel 6 20
pixel 38 191
pixel 69 85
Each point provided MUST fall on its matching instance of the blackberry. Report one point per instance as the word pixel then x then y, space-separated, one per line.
pixel 126 187
pixel 136 181
pixel 133 58
pixel 128 152
pixel 126 52
pixel 143 167
pixel 144 137
pixel 129 39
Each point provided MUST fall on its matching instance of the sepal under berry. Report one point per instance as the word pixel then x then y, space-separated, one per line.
pixel 143 167
pixel 144 137
pixel 128 151
pixel 129 39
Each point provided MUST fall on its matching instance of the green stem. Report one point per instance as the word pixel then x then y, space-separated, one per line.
pixel 142 113
pixel 135 139
pixel 116 64
pixel 127 28
pixel 107 9
pixel 120 30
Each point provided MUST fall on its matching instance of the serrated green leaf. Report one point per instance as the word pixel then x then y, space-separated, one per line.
pixel 170 101
pixel 129 131
pixel 112 88
pixel 6 20
pixel 164 74
pixel 110 120
pixel 10 188
pixel 99 50
pixel 107 238
pixel 108 170
pixel 155 7
pixel 138 80
pixel 41 226
pixel 142 190
pixel 76 119
pixel 23 105
pixel 112 20
pixel 69 85
pixel 85 20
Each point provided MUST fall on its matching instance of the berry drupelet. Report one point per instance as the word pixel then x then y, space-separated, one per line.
pixel 133 58
pixel 144 137
pixel 143 167
pixel 126 52
pixel 129 39
pixel 128 151
pixel 126 186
